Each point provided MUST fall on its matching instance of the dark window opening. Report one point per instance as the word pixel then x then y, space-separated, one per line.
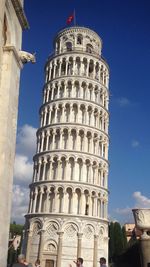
pixel 86 209
pixel 69 46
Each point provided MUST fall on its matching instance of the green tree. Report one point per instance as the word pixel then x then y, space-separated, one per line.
pixel 111 241
pixel 118 239
pixel 16 229
pixel 124 238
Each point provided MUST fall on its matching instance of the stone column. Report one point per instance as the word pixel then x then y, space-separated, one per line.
pixel 59 252
pixel 58 92
pixel 45 115
pixel 44 169
pixel 39 170
pixel 145 251
pixel 34 202
pixel 31 202
pixel 35 172
pixel 65 89
pixel 47 139
pixel 55 116
pixel 54 73
pixel 44 96
pixel 42 141
pixel 49 117
pixel 95 207
pixel 66 67
pixel 81 203
pixel 90 204
pixel 50 71
pixel 91 144
pixel 53 139
pixel 28 245
pixel 9 87
pixel 40 201
pixel 38 144
pixel 79 247
pixel 65 202
pixel 73 68
pixel 142 222
pixel 58 176
pixel 87 69
pixel 52 96
pixel 95 250
pixel 41 245
pixel 66 168
pixel 59 72
pixel 61 137
pixel 47 200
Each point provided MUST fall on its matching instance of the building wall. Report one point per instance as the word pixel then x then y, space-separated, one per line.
pixel 67 215
pixel 10 65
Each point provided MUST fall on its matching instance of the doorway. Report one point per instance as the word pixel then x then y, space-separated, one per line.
pixel 49 263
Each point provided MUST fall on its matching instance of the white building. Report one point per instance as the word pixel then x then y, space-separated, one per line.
pixel 67 215
pixel 12 22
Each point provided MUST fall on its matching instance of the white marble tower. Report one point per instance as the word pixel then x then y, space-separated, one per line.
pixel 67 215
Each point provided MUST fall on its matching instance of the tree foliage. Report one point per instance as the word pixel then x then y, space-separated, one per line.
pixel 117 240
pixel 125 242
pixel 16 229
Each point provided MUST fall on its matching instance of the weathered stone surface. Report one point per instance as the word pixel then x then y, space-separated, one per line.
pixel 10 65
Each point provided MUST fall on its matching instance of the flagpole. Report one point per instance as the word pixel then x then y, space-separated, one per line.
pixel 74 17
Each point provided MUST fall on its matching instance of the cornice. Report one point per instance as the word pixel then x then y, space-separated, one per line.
pixel 64 78
pixel 11 48
pixel 71 153
pixel 72 126
pixel 75 217
pixel 78 29
pixel 20 14
pixel 77 54
pixel 65 183
pixel 73 101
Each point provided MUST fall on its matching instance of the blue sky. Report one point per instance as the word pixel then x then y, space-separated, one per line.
pixel 124 27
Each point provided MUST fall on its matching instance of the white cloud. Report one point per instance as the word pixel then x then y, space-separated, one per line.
pixel 20 202
pixel 141 201
pixel 126 210
pixel 135 143
pixel 26 141
pixel 23 170
pixel 123 101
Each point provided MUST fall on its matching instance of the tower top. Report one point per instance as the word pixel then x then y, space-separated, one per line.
pixel 78 38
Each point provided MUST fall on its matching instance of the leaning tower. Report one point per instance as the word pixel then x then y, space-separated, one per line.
pixel 67 215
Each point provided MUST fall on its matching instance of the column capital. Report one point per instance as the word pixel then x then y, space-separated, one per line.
pixel 60 234
pixel 79 235
pixel 48 133
pixel 45 160
pixel 96 236
pixel 43 134
pixel 39 161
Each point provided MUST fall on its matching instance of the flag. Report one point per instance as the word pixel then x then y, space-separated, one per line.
pixel 70 19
